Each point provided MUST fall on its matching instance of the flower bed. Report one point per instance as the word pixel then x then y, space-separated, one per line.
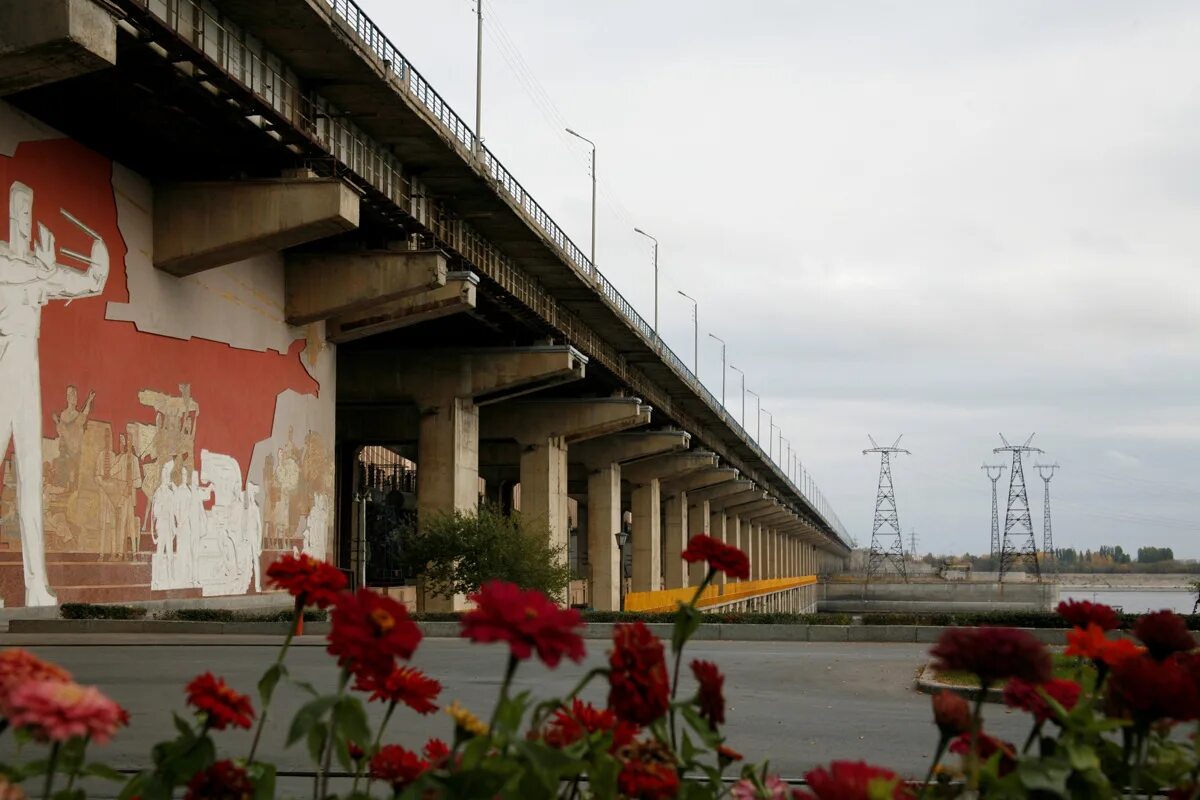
pixel 648 741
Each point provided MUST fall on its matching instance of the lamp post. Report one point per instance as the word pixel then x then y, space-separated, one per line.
pixel 739 372
pixel 757 416
pixel 695 334
pixel 479 77
pixel 651 238
pixel 622 537
pixel 722 341
pixel 770 432
pixel 593 144
pixel 788 457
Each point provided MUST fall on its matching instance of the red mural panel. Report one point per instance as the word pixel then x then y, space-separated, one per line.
pixel 233 390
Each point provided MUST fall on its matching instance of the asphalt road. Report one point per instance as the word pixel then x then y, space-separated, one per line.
pixel 797 704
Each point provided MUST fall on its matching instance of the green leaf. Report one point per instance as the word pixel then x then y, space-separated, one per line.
pixel 688 752
pixel 1082 757
pixel 602 776
pixel 315 740
pixel 510 713
pixel 268 682
pixel 1045 775
pixel 186 733
pixel 697 723
pixel 687 621
pixel 263 776
pixel 350 721
pixel 308 716
pixel 98 770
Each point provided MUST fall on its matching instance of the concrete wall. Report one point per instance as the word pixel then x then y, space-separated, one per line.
pixel 955 596
pixel 161 437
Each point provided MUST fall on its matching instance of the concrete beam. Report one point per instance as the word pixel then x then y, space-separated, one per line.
pixel 483 376
pixel 624 447
pixel 199 226
pixel 459 295
pixel 699 480
pixel 735 499
pixel 720 490
pixel 570 419
pixel 668 467
pixel 753 510
pixel 322 285
pixel 52 40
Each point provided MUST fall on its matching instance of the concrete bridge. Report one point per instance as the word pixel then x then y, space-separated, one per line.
pixel 476 347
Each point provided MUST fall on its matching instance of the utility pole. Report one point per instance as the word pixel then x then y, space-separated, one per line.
pixel 995 551
pixel 695 333
pixel 651 238
pixel 757 417
pixel 1047 536
pixel 887 542
pixel 1018 541
pixel 739 372
pixel 723 370
pixel 479 78
pixel 581 137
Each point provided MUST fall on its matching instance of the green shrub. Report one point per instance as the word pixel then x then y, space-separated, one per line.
pixel 229 615
pixel 98 611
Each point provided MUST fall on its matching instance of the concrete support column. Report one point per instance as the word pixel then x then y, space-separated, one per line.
pixel 448 458
pixel 718 530
pixel 698 524
pixel 647 566
pixel 544 487
pixel 675 510
pixel 603 523
pixel 760 571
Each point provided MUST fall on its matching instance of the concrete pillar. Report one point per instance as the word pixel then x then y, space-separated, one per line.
pixel 717 529
pixel 734 535
pixel 647 569
pixel 199 226
pixel 53 40
pixel 698 524
pixel 682 497
pixel 675 510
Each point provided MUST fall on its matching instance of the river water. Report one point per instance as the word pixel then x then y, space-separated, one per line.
pixel 1134 601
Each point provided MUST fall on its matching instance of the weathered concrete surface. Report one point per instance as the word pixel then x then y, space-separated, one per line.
pixel 460 294
pixel 52 40
pixel 320 285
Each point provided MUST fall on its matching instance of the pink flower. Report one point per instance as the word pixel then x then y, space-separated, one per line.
pixel 57 712
pixel 775 788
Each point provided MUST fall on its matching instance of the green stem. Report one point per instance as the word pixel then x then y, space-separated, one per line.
pixel 321 781
pixel 548 706
pixel 1037 728
pixel 78 764
pixel 262 719
pixel 943 740
pixel 1139 762
pixel 374 747
pixel 509 670
pixel 679 653
pixel 976 720
pixel 53 765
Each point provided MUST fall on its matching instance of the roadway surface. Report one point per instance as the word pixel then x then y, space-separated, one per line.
pixel 798 704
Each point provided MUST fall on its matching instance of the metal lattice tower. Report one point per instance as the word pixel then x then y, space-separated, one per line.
pixel 1047 536
pixel 995 551
pixel 912 544
pixel 1018 541
pixel 887 542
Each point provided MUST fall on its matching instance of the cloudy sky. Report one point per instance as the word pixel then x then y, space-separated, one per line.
pixel 942 219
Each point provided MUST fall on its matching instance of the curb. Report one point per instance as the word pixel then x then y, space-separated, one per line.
pixel 159 626
pixel 927 685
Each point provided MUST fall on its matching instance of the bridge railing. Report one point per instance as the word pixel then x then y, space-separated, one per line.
pixel 265 75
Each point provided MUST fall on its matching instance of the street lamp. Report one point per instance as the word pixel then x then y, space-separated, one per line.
pixel 788 457
pixel 651 238
pixel 622 537
pixel 770 434
pixel 757 417
pixel 593 144
pixel 695 334
pixel 722 341
pixel 732 367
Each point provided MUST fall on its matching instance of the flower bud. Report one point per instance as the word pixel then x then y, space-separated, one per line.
pixel 951 713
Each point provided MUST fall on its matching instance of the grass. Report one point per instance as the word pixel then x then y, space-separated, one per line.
pixel 1068 667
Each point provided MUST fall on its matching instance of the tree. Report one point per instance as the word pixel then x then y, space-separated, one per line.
pixel 1151 555
pixel 458 552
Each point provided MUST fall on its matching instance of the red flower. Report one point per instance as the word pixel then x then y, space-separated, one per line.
pixel 224 707
pixel 1090 642
pixel 1148 690
pixel 404 685
pixel 436 752
pixel 1164 633
pixel 951 713
pixel 1019 694
pixel 370 631
pixel 18 667
pixel 638 684
pixel 57 711
pixel 720 556
pixel 852 780
pixel 710 697
pixel 527 620
pixel 1081 613
pixel 647 772
pixel 223 780
pixel 992 654
pixel 988 747
pixel 310 580
pixel 397 766
pixel 583 719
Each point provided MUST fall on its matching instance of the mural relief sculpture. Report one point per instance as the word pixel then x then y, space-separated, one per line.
pixel 30 277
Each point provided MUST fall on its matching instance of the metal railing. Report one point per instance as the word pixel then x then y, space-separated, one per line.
pixel 267 77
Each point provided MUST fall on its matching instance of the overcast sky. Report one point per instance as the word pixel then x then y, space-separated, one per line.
pixel 941 219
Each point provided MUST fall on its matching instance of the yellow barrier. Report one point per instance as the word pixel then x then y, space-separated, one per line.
pixel 669 599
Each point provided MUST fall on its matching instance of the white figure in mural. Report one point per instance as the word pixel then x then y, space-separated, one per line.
pixel 316 527
pixel 253 525
pixel 30 277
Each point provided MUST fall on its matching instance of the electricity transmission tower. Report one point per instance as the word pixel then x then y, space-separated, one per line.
pixel 1047 536
pixel 1019 541
pixel 912 544
pixel 995 552
pixel 887 542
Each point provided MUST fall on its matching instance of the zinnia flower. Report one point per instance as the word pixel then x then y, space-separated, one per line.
pixel 774 788
pixel 639 690
pixel 852 780
pixel 710 697
pixel 988 747
pixel 224 707
pixel 647 772
pixel 404 685
pixel 1164 633
pixel 527 620
pixel 397 766
pixel 1149 690
pixel 951 713
pixel 1081 613
pixel 54 711
pixel 224 780
pixel 1019 694
pixel 992 654
pixel 1092 643
pixel 370 631
pixel 436 752
pixel 310 580
pixel 10 790
pixel 583 719
pixel 720 556
pixel 18 667
pixel 466 721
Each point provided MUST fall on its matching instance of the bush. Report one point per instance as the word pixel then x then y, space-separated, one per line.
pixel 458 552
pixel 228 615
pixel 98 611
